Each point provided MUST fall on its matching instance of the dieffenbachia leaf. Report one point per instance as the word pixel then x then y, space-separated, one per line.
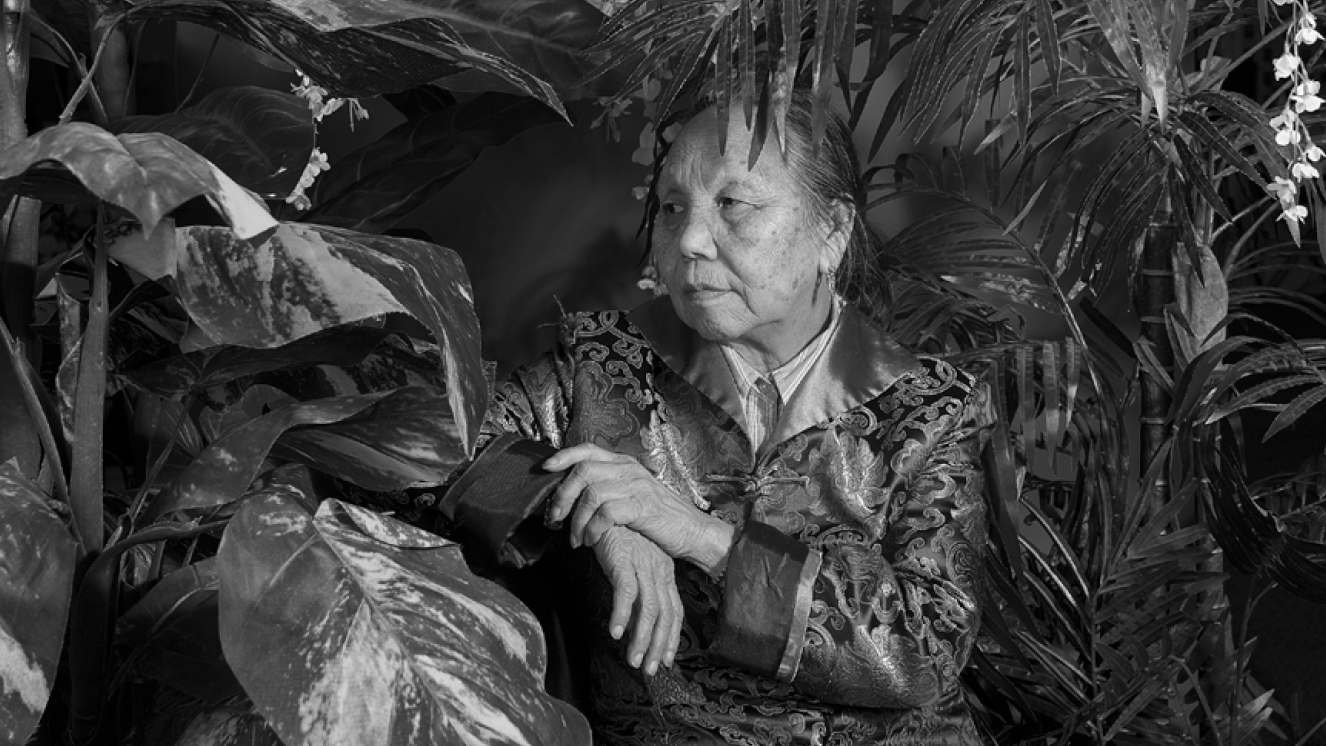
pixel 36 580
pixel 347 627
pixel 225 469
pixel 365 49
pixel 213 366
pixel 405 440
pixel 261 138
pixel 305 278
pixel 376 186
pixel 172 634
pixel 147 174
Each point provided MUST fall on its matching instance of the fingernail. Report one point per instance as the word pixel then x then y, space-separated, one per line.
pixel 616 632
pixel 651 668
pixel 635 660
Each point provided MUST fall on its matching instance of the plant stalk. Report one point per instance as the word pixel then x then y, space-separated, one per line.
pixel 85 483
pixel 18 243
pixel 114 69
pixel 1155 292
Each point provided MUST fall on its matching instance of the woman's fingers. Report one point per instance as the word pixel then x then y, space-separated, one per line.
pixel 646 615
pixel 625 588
pixel 594 517
pixel 662 643
pixel 585 472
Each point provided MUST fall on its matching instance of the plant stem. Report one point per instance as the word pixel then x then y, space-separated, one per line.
pixel 18 244
pixel 1156 292
pixel 114 72
pixel 89 404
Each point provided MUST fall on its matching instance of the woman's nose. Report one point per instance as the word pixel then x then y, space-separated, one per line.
pixel 696 240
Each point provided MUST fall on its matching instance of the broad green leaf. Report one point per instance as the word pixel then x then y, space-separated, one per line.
pixel 405 440
pixel 365 49
pixel 303 279
pixel 224 471
pixel 176 376
pixel 374 187
pixel 347 627
pixel 261 138
pixel 147 174
pixel 172 634
pixel 36 580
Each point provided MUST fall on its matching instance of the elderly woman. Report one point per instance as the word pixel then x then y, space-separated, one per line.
pixel 784 505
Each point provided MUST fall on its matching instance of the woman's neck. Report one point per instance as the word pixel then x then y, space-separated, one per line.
pixel 770 351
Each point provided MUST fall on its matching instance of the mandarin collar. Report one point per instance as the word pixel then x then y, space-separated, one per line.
pixel 860 362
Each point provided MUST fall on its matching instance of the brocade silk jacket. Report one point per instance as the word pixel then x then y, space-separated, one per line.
pixel 849 604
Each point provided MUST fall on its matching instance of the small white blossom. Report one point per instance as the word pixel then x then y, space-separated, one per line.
pixel 317 163
pixel 1305 96
pixel 1282 2
pixel 1313 153
pixel 1307 35
pixel 1297 213
pixel 1302 170
pixel 1283 189
pixel 1285 65
pixel 1284 119
pixel 1287 137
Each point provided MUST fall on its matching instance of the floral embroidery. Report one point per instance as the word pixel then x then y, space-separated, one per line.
pixel 889 493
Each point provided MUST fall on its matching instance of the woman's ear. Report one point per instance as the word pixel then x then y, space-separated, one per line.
pixel 842 216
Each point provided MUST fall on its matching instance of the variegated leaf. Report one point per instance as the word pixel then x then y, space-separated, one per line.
pixel 305 278
pixel 176 376
pixel 351 628
pixel 172 634
pixel 261 138
pixel 147 174
pixel 223 471
pixel 408 439
pixel 36 579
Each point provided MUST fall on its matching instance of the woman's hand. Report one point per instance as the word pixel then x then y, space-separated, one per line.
pixel 606 489
pixel 644 579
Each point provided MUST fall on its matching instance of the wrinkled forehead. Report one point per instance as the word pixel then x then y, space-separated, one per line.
pixel 695 158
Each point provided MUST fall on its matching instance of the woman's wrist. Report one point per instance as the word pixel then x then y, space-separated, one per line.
pixel 713 547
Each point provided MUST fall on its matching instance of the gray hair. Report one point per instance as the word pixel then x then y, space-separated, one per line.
pixel 829 177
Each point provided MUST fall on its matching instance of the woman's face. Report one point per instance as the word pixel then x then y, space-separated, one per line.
pixel 740 250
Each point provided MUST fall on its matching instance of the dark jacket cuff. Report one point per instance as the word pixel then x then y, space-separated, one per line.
pixel 497 504
pixel 766 602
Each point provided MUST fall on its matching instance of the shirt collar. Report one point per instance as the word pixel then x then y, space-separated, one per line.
pixel 788 376
pixel 859 361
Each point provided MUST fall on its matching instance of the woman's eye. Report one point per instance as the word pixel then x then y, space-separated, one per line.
pixel 669 208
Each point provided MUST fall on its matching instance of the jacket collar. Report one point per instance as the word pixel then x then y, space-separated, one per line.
pixel 860 363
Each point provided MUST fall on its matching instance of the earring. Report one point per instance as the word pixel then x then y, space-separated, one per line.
pixel 649 280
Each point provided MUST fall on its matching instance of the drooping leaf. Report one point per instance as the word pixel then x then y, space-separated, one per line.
pixel 147 174
pixel 172 634
pixel 304 278
pixel 365 49
pixel 405 440
pixel 260 137
pixel 374 187
pixel 347 627
pixel 224 471
pixel 192 371
pixel 36 581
